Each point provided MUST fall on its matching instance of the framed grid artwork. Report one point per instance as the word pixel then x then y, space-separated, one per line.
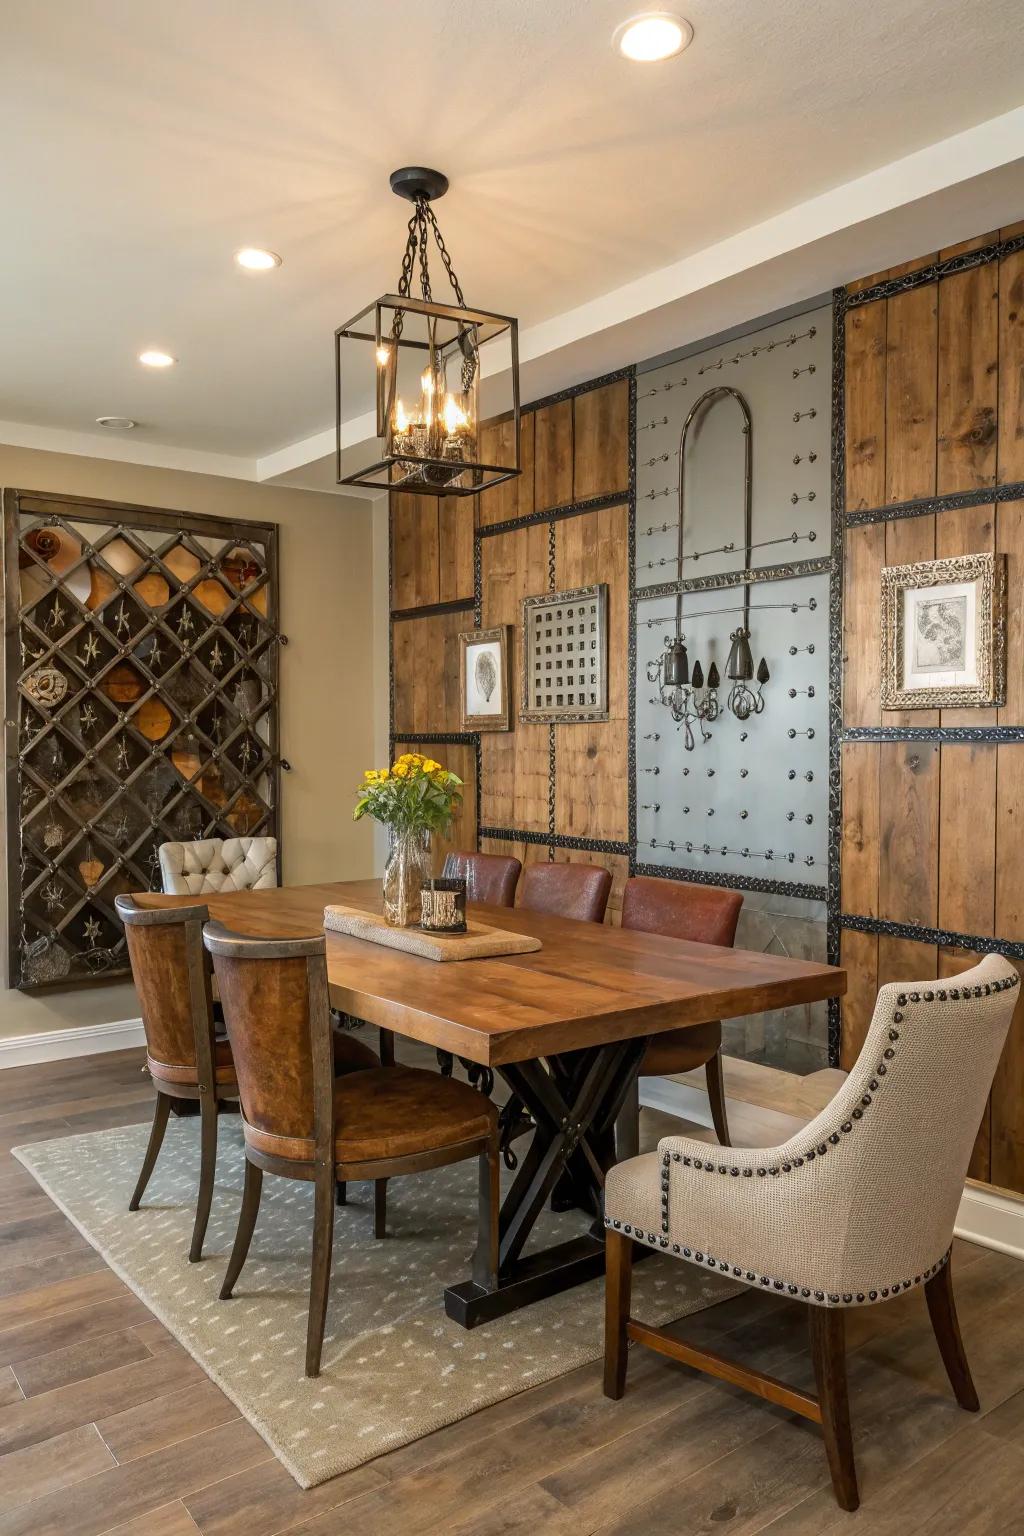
pixel 141 689
pixel 565 656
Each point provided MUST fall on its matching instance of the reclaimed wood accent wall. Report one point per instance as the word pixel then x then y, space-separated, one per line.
pixel 932 833
pixel 537 791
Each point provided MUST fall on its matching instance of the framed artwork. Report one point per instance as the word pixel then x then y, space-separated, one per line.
pixel 944 633
pixel 565 656
pixel 485 677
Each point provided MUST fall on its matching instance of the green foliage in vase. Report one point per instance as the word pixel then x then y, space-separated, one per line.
pixel 415 794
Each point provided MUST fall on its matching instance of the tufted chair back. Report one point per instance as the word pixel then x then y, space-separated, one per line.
pixel 863 1199
pixel 489 877
pixel 566 890
pixel 275 999
pixel 219 864
pixel 165 946
pixel 681 910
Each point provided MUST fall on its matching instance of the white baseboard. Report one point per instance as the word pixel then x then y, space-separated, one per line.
pixel 986 1216
pixel 61 1044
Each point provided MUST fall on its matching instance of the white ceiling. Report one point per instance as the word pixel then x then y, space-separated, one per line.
pixel 144 143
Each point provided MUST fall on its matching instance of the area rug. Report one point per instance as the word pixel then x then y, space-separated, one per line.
pixel 394 1367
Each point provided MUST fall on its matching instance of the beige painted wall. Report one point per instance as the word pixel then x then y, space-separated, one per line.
pixel 327 674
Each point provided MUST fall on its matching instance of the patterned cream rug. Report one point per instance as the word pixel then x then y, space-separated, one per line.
pixel 394 1367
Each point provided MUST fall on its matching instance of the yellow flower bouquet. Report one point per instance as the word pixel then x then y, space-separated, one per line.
pixel 414 797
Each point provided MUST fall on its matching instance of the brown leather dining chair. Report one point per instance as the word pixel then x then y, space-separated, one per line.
pixel 490 877
pixel 300 1122
pixel 185 1058
pixel 566 890
pixel 705 914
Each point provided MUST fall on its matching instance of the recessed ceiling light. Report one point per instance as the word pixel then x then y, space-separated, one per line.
pixel 652 36
pixel 116 423
pixel 255 260
pixel 155 359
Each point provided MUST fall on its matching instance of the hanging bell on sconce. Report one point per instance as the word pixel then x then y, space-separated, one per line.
pixel 740 666
pixel 698 675
pixel 763 675
pixel 676 670
pixel 714 680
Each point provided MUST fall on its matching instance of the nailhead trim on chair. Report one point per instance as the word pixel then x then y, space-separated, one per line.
pixel 953 994
pixel 768 1282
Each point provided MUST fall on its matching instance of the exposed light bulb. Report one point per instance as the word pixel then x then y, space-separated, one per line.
pixel 383 356
pixel 401 420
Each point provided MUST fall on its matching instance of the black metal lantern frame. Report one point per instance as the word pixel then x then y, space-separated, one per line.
pixel 427 362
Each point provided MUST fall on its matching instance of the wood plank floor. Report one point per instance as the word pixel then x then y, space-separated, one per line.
pixel 107 1426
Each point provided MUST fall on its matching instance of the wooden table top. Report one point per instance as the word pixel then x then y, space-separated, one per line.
pixel 588 985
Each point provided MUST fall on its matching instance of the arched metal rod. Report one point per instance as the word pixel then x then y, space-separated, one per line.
pixel 748 462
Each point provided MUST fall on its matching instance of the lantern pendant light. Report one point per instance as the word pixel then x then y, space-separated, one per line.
pixel 426 359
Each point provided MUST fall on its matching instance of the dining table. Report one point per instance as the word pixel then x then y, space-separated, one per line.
pixel 565 1026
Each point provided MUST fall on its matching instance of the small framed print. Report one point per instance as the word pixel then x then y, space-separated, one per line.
pixel 565 656
pixel 944 633
pixel 485 677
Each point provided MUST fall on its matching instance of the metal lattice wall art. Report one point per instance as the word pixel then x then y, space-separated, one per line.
pixel 141 678
pixel 565 665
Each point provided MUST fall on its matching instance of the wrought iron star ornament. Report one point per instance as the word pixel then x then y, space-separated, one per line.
pixel 53 896
pixel 90 650
pixel 92 930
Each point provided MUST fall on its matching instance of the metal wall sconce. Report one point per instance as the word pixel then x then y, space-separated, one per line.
pixel 688 698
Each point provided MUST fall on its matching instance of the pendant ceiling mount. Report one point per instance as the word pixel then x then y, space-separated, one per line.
pixel 425 371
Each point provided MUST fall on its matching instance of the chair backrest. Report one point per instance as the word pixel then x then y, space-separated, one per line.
pixel 489 877
pixel 888 1157
pixel 277 1011
pixel 681 910
pixel 165 946
pixel 218 864
pixel 566 890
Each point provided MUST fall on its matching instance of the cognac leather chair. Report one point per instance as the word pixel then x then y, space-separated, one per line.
pixel 185 1060
pixel 854 1209
pixel 490 877
pixel 566 890
pixel 300 1122
pixel 706 915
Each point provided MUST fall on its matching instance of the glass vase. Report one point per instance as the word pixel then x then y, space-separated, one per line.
pixel 407 868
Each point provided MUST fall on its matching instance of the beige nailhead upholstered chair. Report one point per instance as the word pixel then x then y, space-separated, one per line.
pixel 856 1208
pixel 218 864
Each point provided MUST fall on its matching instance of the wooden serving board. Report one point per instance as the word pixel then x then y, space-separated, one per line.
pixel 478 942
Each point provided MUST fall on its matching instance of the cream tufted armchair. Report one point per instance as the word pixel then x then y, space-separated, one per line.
pixel 856 1208
pixel 218 864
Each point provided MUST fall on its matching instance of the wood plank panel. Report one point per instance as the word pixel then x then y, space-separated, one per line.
pixel 907 541
pixel 858 955
pixel 910 393
pixel 1007 1132
pixel 1010 542
pixel 860 831
pixel 514 764
pixel 906 960
pixel 455 520
pixel 601 441
pixel 865 406
pixel 1009 885
pixel 414 551
pixel 426 672
pixel 1011 369
pixel 553 455
pixel 908 778
pixel 591 761
pixel 967 838
pixel 460 758
pixel 977 243
pixel 968 366
pixel 512 498
pixel 953 962
pixel 862 620
pixel 966 531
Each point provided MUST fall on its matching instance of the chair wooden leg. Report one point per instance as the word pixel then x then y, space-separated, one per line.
pixel 716 1096
pixel 246 1223
pixel 618 1277
pixel 828 1349
pixel 341 1193
pixel 485 1259
pixel 209 1109
pixel 161 1110
pixel 380 1207
pixel 627 1126
pixel 320 1274
pixel 942 1311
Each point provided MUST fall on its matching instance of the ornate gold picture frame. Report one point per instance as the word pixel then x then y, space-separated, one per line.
pixel 944 633
pixel 485 679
